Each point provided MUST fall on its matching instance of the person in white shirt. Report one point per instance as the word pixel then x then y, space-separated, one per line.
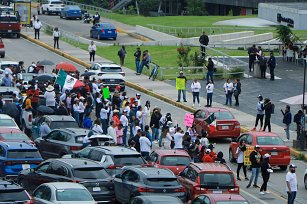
pixel 56 37
pixel 166 138
pixel 138 99
pixel 76 110
pixel 228 89
pixel 291 181
pixel 96 127
pixel 146 115
pixel 37 25
pixel 92 51
pixel 104 117
pixel 124 121
pixel 139 116
pixel 240 160
pixel 195 86
pixel 111 131
pixel 81 110
pixel 145 145
pixel 50 96
pixel 178 138
pixel 209 89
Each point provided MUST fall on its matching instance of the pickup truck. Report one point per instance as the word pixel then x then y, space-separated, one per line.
pixel 52 6
pixel 10 25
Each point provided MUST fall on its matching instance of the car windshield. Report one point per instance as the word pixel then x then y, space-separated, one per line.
pixel 90 173
pixel 73 195
pixel 7 122
pixel 63 124
pixel 222 115
pixel 231 202
pixel 111 69
pixel 214 180
pixel 8 18
pixel 269 140
pixel 14 136
pixel 23 153
pixel 128 160
pixel 13 195
pixel 56 2
pixel 162 182
pixel 175 161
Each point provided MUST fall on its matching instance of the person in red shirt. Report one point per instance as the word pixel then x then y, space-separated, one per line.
pixel 207 158
pixel 35 98
pixel 115 117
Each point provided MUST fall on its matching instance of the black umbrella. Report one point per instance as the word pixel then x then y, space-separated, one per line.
pixel 45 109
pixel 45 62
pixel 88 74
pixel 11 110
pixel 43 78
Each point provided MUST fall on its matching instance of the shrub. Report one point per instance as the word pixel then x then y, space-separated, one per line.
pixel 183 56
pixel 235 73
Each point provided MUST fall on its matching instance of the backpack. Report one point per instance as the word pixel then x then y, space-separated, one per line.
pixel 24 103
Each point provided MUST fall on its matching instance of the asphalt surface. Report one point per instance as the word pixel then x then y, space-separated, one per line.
pixel 19 49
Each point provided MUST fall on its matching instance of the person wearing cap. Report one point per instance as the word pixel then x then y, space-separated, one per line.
pixel 124 121
pixel 292 186
pixel 182 89
pixel 255 158
pixel 76 110
pixel 260 113
pixel 50 96
pixel 145 146
pixel 287 120
pixel 266 169
pixel 138 99
pixel 115 117
pixel 272 65
pixel 207 158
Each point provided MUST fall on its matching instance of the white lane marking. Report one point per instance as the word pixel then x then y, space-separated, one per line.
pixel 252 196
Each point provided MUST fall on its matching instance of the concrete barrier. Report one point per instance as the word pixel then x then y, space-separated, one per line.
pixel 250 39
pixel 153 34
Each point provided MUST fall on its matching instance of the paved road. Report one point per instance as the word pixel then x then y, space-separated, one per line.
pixel 79 28
pixel 16 49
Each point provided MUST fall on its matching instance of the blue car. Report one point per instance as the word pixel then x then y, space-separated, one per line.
pixel 71 12
pixel 17 156
pixel 103 31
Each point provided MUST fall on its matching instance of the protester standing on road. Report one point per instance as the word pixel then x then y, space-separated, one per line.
pixel 92 51
pixel 209 89
pixel 195 86
pixel 33 19
pixel 137 56
pixel 266 169
pixel 287 120
pixel 255 158
pixel 263 65
pixel 268 110
pixel 204 41
pixel 37 26
pixel 237 90
pixel 240 159
pixel 292 185
pixel 178 138
pixel 228 89
pixel 297 119
pixel 146 114
pixel 50 97
pixel 124 121
pixel 56 37
pixel 96 18
pixel 260 113
pixel 136 140
pixel 145 146
pixel 272 65
pixel 122 55
pixel 252 52
pixel 182 89
pixel 155 123
pixel 210 72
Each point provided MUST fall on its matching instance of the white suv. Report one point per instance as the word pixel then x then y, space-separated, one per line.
pixel 100 68
pixel 52 6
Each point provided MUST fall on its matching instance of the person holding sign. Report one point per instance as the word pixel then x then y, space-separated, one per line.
pixel 181 81
pixel 240 160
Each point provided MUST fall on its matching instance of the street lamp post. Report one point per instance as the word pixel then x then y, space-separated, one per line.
pixel 303 132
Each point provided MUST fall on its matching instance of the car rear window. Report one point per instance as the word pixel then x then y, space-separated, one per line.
pixel 63 124
pixel 8 19
pixel 222 115
pixel 162 182
pixel 268 140
pixel 7 122
pixel 79 139
pixel 90 173
pixel 111 69
pixel 175 161
pixel 73 195
pixel 23 153
pixel 13 195
pixel 56 2
pixel 213 180
pixel 108 26
pixel 14 136
pixel 128 160
pixel 73 8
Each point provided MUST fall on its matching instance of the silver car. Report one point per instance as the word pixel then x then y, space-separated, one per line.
pixel 62 193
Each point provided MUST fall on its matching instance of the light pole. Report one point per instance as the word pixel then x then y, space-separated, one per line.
pixel 303 132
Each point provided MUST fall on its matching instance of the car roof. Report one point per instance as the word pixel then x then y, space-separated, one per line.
pixel 65 185
pixel 9 130
pixel 153 172
pixel 60 117
pixel 110 76
pixel 159 198
pixel 211 167
pixel 169 152
pixel 116 150
pixel 17 145
pixel 107 64
pixel 4 116
pixel 226 197
pixel 259 133
pixel 77 162
pixel 8 89
pixel 77 131
pixel 8 185
pixel 8 62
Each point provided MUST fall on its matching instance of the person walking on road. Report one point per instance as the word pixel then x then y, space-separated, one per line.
pixel 92 51
pixel 195 86
pixel 297 119
pixel 252 52
pixel 182 89
pixel 260 113
pixel 37 25
pixel 237 90
pixel 272 65
pixel 240 160
pixel 204 41
pixel 255 158
pixel 210 72
pixel 209 89
pixel 56 37
pixel 266 169
pixel 268 110
pixel 122 55
pixel 137 56
pixel 287 120
pixel 292 185
pixel 228 89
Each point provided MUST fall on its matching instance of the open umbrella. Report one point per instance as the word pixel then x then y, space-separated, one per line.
pixel 45 62
pixel 11 110
pixel 45 109
pixel 68 67
pixel 43 78
pixel 88 74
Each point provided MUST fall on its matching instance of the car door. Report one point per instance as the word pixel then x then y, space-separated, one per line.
pixel 42 195
pixel 55 144
pixel 58 173
pixel 123 185
pixel 36 177
pixel 95 31
pixel 199 117
pixel 154 159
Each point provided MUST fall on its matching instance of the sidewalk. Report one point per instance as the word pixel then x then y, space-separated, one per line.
pixel 158 89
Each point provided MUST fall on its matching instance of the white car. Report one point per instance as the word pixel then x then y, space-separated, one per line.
pixel 112 81
pixel 8 122
pixel 100 68
pixel 52 6
pixel 62 193
pixel 6 64
pixel 305 179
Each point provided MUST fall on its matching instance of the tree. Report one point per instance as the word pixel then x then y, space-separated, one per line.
pixel 196 7
pixel 285 34
pixel 146 6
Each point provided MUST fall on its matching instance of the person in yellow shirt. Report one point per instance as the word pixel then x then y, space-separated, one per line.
pixel 28 102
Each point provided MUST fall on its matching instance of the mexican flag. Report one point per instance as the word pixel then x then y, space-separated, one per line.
pixel 211 123
pixel 68 82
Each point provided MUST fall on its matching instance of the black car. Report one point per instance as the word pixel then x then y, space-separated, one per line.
pixel 60 142
pixel 86 172
pixel 136 181
pixel 12 193
pixel 112 158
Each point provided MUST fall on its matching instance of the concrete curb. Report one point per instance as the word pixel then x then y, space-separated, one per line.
pixel 134 35
pixel 293 151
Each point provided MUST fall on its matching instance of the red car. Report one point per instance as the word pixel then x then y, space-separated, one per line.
pixel 2 49
pixel 203 178
pixel 269 143
pixel 224 126
pixel 220 198
pixel 174 160
pixel 13 135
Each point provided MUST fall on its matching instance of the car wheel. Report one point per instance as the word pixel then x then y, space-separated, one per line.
pixel 305 181
pixel 283 167
pixel 231 158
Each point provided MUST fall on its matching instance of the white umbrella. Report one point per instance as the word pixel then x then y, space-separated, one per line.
pixel 295 100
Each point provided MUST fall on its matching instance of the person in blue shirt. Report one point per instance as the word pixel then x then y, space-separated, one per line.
pixel 87 122
pixel 7 80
